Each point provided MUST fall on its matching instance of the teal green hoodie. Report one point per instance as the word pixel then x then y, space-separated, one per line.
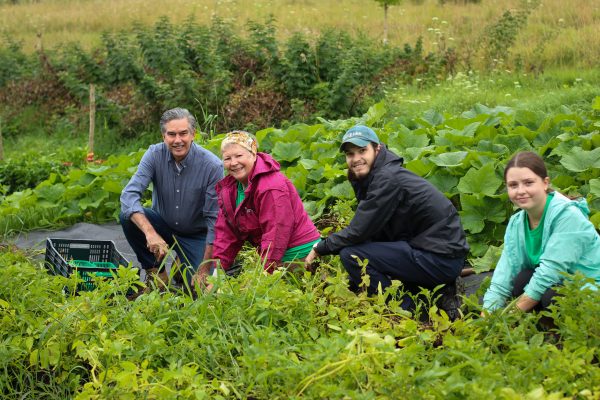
pixel 570 243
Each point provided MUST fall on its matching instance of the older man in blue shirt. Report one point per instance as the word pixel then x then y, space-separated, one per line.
pixel 184 201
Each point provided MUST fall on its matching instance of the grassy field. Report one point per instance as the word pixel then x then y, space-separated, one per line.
pixel 557 33
pixel 572 88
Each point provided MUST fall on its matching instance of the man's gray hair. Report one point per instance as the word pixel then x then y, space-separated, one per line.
pixel 177 113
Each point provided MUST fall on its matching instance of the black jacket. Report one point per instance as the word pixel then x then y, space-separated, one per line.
pixel 394 204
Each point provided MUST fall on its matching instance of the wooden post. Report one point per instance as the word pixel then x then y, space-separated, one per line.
pixel 1 143
pixel 92 121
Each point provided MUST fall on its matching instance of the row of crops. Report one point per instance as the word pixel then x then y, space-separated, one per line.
pixel 463 155
pixel 300 335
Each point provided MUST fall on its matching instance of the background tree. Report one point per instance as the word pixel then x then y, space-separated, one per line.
pixel 386 4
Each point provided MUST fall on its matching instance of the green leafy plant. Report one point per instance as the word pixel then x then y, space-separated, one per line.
pixel 18 175
pixel 462 155
pixel 285 335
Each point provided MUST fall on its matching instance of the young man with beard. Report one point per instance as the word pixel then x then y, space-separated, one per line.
pixel 406 228
pixel 184 200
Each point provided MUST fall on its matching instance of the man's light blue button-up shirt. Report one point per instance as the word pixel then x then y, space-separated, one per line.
pixel 184 196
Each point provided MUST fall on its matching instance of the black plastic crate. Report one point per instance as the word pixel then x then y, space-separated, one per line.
pixel 89 257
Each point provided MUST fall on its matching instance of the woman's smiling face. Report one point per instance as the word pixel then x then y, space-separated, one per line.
pixel 527 190
pixel 238 162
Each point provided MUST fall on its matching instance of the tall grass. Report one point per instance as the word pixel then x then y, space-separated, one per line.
pixel 558 33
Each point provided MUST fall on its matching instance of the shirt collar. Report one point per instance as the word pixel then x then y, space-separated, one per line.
pixel 183 163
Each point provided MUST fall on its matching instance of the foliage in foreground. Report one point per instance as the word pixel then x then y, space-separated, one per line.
pixel 280 336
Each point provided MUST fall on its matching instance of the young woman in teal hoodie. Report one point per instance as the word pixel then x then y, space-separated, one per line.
pixel 549 238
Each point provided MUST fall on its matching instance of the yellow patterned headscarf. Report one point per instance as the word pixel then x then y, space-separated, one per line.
pixel 244 139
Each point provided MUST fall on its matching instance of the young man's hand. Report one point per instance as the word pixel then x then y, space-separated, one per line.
pixel 310 258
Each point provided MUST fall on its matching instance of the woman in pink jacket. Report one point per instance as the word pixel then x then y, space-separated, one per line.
pixel 258 204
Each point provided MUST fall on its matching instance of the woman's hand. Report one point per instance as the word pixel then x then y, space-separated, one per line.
pixel 526 303
pixel 199 278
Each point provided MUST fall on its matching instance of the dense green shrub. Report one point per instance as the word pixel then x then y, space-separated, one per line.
pixel 13 62
pixel 327 48
pixel 299 68
pixel 212 71
pixel 500 36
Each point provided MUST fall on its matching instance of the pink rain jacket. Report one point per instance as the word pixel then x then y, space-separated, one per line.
pixel 271 217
